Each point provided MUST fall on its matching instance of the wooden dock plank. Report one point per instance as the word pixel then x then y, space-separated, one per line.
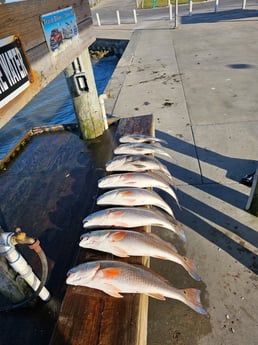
pixel 92 317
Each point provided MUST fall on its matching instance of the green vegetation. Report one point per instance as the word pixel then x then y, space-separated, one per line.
pixel 163 3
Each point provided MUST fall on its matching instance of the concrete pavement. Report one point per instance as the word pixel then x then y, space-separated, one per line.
pixel 199 81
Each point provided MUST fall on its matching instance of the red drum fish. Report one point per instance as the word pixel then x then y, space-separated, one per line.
pixel 140 138
pixel 124 243
pixel 131 217
pixel 134 179
pixel 136 163
pixel 141 148
pixel 115 277
pixel 134 197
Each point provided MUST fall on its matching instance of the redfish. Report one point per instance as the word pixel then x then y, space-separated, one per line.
pixel 141 148
pixel 134 179
pixel 140 138
pixel 131 217
pixel 124 243
pixel 134 197
pixel 136 163
pixel 115 277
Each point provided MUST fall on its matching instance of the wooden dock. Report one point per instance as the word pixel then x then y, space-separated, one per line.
pixel 49 188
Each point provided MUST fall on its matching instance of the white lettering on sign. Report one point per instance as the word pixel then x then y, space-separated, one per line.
pixel 14 69
pixel 12 66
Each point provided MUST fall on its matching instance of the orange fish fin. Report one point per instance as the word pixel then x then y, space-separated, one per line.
pixel 157 296
pixel 127 192
pixel 111 272
pixel 118 213
pixel 119 252
pixel 112 291
pixel 117 236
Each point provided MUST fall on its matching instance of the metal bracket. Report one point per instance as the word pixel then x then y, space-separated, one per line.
pixel 80 83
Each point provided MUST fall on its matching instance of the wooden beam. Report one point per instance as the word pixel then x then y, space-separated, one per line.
pixel 90 316
pixel 23 18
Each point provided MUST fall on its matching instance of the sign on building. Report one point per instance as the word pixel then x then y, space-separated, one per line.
pixel 60 29
pixel 14 69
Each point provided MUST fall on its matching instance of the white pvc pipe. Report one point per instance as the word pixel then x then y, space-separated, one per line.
pixel 190 7
pixel 170 12
pixel 103 109
pixel 19 264
pixel 118 17
pixel 135 16
pixel 98 20
pixel 216 5
pixel 243 4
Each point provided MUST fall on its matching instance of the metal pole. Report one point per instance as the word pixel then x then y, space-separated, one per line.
pixel 153 3
pixel 216 5
pixel 135 16
pixel 243 4
pixel 98 20
pixel 190 7
pixel 118 17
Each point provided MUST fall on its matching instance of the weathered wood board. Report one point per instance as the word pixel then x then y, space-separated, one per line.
pixel 92 317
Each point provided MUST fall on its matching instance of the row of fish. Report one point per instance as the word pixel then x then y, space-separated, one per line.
pixel 110 229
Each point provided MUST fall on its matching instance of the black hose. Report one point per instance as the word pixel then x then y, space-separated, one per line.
pixel 43 281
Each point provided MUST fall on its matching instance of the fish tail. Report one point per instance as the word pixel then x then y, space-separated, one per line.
pixel 191 297
pixel 170 191
pixel 180 232
pixel 191 268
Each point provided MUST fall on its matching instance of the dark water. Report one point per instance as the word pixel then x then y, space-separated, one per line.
pixel 53 105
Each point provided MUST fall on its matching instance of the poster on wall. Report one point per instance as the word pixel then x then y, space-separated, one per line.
pixel 60 29
pixel 14 69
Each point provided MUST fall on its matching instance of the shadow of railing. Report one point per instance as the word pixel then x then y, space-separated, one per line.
pixel 237 238
pixel 215 17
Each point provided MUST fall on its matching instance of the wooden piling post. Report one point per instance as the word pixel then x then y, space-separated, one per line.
pixel 81 83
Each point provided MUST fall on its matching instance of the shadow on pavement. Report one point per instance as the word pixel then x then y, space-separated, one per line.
pixel 195 212
pixel 219 16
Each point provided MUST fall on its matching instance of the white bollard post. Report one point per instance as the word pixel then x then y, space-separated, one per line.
pixel 168 3
pixel 216 5
pixel 135 16
pixel 118 17
pixel 243 4
pixel 176 12
pixel 98 20
pixel 190 7
pixel 170 12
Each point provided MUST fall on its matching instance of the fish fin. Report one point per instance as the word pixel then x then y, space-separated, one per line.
pixel 190 266
pixel 110 272
pixel 118 236
pixel 111 290
pixel 118 213
pixel 191 297
pixel 138 165
pixel 157 296
pixel 119 252
pixel 127 192
pixel 181 232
